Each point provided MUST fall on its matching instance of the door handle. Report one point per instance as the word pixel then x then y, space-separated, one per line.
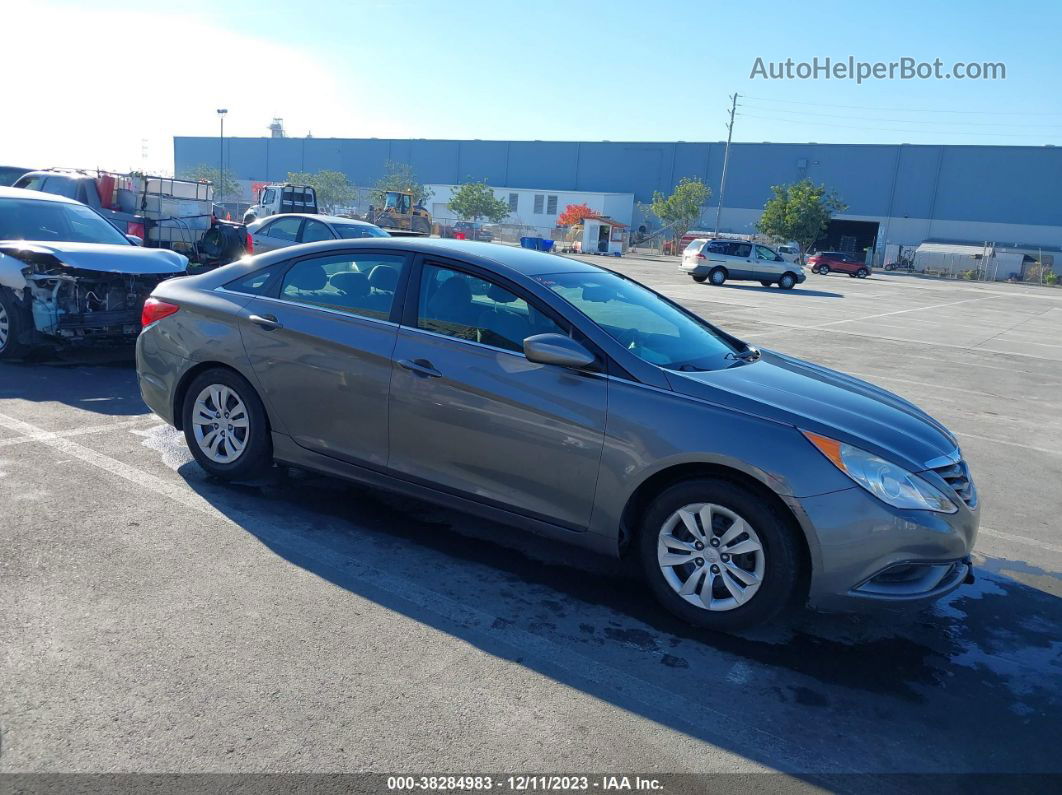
pixel 420 367
pixel 268 322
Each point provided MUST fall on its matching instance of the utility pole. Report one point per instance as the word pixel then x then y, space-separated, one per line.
pixel 726 159
pixel 221 156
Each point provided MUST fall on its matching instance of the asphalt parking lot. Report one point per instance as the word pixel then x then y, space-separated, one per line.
pixel 156 620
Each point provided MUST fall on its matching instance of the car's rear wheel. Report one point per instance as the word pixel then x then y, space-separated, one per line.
pixel 225 425
pixel 862 273
pixel 823 270
pixel 699 279
pixel 12 318
pixel 717 276
pixel 765 283
pixel 787 282
pixel 717 555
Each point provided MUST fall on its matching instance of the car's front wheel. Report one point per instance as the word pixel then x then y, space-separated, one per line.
pixel 824 270
pixel 225 425
pixel 12 320
pixel 862 273
pixel 717 555
pixel 787 282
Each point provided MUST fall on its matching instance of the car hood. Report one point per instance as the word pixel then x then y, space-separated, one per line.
pixel 822 400
pixel 103 257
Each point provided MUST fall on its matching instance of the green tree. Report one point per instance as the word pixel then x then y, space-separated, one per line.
pixel 800 212
pixel 399 176
pixel 334 190
pixel 475 200
pixel 684 206
pixel 226 188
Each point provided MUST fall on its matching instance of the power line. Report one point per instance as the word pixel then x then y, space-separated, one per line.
pixel 875 127
pixel 903 121
pixel 898 110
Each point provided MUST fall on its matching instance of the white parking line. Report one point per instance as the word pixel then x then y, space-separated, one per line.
pixel 1048 450
pixel 87 429
pixel 1029 542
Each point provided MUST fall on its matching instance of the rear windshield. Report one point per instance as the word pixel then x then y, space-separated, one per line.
pixel 695 245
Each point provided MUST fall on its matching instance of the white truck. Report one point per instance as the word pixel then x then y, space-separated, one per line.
pixel 279 199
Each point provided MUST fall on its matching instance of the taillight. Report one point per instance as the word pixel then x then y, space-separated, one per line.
pixel 701 256
pixel 248 244
pixel 154 310
pixel 132 228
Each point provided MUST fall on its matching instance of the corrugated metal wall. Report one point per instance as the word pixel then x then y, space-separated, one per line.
pixel 999 184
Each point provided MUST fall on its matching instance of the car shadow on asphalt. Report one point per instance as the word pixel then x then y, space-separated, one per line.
pixel 978 672
pixel 105 386
pixel 798 290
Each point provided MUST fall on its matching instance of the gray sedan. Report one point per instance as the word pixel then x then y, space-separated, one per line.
pixel 281 231
pixel 568 400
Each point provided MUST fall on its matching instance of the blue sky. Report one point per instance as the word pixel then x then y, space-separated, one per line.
pixel 532 70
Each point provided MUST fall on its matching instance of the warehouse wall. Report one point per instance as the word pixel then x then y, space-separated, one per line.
pixel 979 184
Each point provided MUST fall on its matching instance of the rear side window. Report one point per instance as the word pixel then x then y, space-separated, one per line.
pixel 717 247
pixel 255 284
pixel 359 283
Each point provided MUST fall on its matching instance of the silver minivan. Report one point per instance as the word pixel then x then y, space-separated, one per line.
pixel 717 261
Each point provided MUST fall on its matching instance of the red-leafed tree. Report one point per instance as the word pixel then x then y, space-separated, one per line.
pixel 574 214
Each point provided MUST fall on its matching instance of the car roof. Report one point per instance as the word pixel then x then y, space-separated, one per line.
pixel 490 255
pixel 329 219
pixel 36 195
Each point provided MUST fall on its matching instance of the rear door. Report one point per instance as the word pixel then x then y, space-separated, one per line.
pixel 321 344
pixel 314 231
pixel 278 233
pixel 740 262
pixel 470 415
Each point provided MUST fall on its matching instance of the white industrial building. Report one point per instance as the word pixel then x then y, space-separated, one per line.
pixel 538 207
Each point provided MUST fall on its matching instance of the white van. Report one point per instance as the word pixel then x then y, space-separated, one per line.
pixel 719 260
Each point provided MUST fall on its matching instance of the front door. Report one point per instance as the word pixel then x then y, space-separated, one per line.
pixel 321 347
pixel 768 265
pixel 469 414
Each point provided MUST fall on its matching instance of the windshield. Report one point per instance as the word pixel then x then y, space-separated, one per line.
pixel 351 231
pixel 647 325
pixel 27 219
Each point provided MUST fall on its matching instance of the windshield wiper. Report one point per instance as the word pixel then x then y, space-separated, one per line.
pixel 750 354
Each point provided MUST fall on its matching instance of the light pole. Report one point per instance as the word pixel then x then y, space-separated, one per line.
pixel 221 156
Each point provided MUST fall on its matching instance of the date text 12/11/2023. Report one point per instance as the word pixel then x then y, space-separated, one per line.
pixel 523 783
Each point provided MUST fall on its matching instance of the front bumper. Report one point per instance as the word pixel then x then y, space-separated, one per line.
pixel 864 551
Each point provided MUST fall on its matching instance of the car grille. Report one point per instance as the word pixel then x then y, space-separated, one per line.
pixel 957 475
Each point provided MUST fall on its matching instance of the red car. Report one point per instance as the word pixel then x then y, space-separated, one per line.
pixel 825 261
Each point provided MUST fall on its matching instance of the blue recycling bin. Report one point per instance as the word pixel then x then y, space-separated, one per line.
pixel 545 245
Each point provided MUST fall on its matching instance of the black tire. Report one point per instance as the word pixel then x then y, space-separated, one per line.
pixel 14 320
pixel 766 283
pixel 851 275
pixel 717 276
pixel 787 281
pixel 781 553
pixel 824 270
pixel 257 454
pixel 890 267
pixel 700 279
pixel 862 273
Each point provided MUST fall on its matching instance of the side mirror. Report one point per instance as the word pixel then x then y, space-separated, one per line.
pixel 557 349
pixel 135 240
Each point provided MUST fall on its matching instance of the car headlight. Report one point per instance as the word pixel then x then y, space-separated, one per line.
pixel 888 482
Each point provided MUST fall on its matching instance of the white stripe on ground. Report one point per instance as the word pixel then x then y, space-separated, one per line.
pixel 1029 542
pixel 787 753
pixel 1047 450
pixel 82 431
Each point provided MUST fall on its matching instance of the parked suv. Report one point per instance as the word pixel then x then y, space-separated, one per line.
pixel 825 261
pixel 719 260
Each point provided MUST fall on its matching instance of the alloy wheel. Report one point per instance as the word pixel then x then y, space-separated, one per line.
pixel 710 556
pixel 220 423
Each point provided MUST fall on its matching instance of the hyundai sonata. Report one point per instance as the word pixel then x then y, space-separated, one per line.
pixel 566 399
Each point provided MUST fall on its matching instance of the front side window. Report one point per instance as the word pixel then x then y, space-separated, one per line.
pixel 651 328
pixel 268 196
pixel 764 253
pixel 354 231
pixel 359 283
pixel 286 228
pixel 469 308
pixel 26 219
